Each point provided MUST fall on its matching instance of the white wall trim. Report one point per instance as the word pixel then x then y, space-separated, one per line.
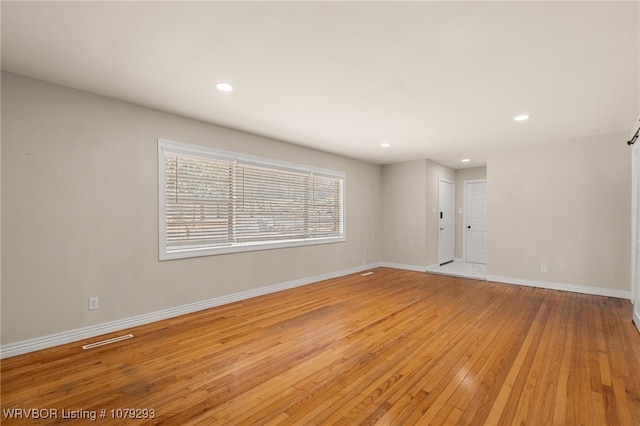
pixel 622 294
pixel 406 267
pixel 57 339
pixel 635 219
pixel 44 342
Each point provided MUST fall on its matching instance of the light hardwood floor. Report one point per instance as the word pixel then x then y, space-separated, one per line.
pixel 392 348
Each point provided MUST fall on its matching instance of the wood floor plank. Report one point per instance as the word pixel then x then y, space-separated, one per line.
pixel 474 366
pixel 482 400
pixel 395 347
pixel 506 404
pixel 544 377
pixel 561 397
pixel 622 401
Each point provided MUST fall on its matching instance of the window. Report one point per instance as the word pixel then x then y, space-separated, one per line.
pixel 214 202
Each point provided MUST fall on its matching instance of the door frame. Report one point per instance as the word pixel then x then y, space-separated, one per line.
pixel 464 213
pixel 635 237
pixel 453 213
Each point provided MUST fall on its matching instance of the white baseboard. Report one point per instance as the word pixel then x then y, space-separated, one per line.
pixel 31 345
pixel 458 259
pixel 621 294
pixel 636 318
pixel 403 266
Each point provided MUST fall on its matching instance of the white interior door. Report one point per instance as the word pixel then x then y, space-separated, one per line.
pixel 475 223
pixel 635 226
pixel 446 236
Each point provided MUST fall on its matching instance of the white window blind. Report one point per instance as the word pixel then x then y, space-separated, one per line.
pixel 214 202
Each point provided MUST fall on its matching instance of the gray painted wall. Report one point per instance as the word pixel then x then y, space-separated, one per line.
pixel 80 213
pixel 566 205
pixel 411 224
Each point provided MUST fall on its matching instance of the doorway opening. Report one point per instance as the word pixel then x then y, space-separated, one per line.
pixel 446 221
pixel 474 229
pixel 473 263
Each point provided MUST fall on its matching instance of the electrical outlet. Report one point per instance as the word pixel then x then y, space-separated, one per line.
pixel 543 268
pixel 93 303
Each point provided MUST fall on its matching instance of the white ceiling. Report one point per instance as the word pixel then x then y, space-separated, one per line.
pixel 436 80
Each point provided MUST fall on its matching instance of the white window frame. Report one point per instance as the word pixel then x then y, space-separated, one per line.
pixel 195 150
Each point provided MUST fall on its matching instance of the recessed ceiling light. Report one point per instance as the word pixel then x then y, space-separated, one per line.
pixel 224 87
pixel 466 160
pixel 385 145
pixel 522 117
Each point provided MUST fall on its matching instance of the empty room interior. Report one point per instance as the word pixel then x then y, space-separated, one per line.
pixel 393 213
